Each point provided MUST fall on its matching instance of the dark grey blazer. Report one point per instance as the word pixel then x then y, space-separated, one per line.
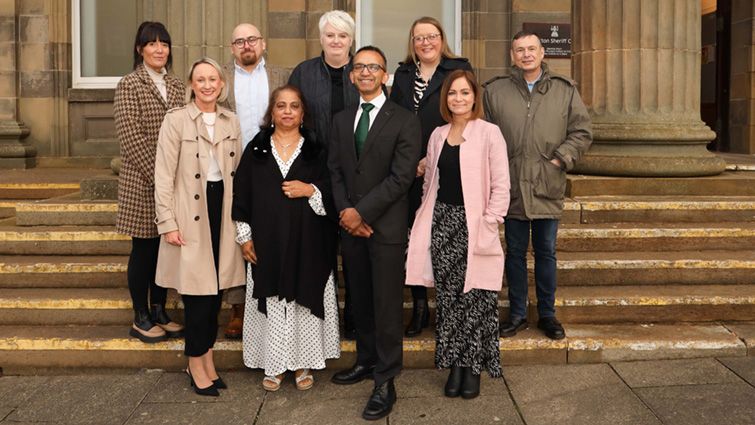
pixel 376 183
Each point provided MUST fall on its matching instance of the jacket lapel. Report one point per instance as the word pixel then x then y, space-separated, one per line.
pixel 384 115
pixel 230 76
pixel 350 115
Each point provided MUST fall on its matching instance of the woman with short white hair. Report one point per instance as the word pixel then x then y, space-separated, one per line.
pixel 325 82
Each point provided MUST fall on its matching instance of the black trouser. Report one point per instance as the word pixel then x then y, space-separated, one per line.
pixel 142 264
pixel 201 311
pixel 376 278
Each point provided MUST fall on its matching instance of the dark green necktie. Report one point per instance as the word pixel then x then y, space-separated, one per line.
pixel 363 127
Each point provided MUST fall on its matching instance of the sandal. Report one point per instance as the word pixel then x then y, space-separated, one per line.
pixel 272 383
pixel 301 380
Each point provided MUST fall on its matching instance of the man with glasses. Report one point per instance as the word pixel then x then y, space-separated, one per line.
pixel 250 81
pixel 375 148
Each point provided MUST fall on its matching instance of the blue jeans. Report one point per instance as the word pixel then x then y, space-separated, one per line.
pixel 544 244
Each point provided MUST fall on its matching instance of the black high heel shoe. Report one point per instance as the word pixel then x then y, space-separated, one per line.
pixel 220 384
pixel 212 390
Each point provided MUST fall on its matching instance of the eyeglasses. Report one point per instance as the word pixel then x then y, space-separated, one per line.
pixel 432 38
pixel 239 43
pixel 372 67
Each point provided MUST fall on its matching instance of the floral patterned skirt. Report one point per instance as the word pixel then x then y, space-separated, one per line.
pixel 467 324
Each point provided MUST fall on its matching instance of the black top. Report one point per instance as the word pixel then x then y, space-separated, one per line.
pixel 449 186
pixel 428 111
pixel 336 89
pixel 295 247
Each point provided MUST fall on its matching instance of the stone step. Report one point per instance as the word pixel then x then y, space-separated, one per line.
pixel 67 210
pixel 594 304
pixel 36 190
pixel 653 268
pixel 655 237
pixel 729 183
pixel 27 271
pixel 661 209
pixel 26 349
pixel 8 207
pixel 56 240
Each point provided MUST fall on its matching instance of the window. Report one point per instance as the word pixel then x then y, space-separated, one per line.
pixel 103 39
pixel 385 24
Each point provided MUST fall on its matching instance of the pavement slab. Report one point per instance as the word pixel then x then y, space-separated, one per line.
pixel 86 399
pixel 5 411
pixel 674 372
pixel 431 382
pixel 16 391
pixel 243 387
pixel 744 367
pixel 730 404
pixel 452 411
pixel 315 411
pixel 575 394
pixel 194 413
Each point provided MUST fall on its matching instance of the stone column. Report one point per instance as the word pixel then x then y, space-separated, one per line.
pixel 13 153
pixel 638 68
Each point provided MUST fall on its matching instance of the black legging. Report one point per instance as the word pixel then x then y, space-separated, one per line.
pixel 142 264
pixel 201 311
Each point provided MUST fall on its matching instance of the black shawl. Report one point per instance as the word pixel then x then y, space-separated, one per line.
pixel 295 247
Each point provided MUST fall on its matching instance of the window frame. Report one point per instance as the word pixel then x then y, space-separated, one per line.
pixel 80 82
pixel 457 45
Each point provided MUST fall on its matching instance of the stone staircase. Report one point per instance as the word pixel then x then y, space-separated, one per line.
pixel 648 269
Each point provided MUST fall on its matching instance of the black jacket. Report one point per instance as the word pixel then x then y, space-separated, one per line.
pixel 313 78
pixel 429 108
pixel 295 247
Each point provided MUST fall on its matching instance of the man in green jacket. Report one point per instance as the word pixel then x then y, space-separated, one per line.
pixel 547 130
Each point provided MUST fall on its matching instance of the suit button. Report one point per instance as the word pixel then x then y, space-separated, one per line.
pixel 156 221
pixel 196 218
pixel 359 172
pixel 233 153
pixel 196 176
pixel 197 138
pixel 233 173
pixel 196 196
pixel 197 155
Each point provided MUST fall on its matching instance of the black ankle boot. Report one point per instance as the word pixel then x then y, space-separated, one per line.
pixel 145 328
pixel 470 384
pixel 453 385
pixel 161 319
pixel 420 317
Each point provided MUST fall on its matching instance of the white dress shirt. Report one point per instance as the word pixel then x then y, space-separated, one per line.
pixel 252 94
pixel 378 102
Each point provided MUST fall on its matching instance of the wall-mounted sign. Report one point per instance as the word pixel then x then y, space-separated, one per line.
pixel 556 38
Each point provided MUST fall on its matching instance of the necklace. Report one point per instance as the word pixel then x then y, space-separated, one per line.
pixel 284 147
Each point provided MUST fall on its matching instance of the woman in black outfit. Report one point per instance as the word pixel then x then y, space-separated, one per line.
pixel 416 86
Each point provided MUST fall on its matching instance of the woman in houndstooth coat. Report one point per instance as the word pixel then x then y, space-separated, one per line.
pixel 142 99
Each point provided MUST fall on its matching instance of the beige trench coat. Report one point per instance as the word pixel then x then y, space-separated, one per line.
pixel 181 165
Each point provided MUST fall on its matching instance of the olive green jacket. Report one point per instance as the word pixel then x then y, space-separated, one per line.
pixel 551 122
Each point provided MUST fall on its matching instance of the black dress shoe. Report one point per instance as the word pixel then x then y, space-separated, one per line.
pixel 453 385
pixel 470 384
pixel 220 384
pixel 552 328
pixel 352 376
pixel 420 318
pixel 512 326
pixel 381 401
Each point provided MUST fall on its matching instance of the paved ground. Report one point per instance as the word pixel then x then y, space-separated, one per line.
pixel 685 392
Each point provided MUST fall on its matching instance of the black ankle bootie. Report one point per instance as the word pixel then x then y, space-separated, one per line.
pixel 470 384
pixel 453 385
pixel 420 318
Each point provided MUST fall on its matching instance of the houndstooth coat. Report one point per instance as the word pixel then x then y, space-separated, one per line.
pixel 139 112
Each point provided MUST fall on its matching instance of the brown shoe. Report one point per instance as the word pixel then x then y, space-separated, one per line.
pixel 236 325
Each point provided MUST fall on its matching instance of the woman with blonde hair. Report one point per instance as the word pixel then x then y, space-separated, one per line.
pixel 416 87
pixel 455 245
pixel 197 153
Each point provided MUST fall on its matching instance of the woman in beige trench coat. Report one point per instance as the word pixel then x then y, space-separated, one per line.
pixel 197 153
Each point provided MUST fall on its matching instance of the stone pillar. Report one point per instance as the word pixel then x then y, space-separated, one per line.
pixel 13 153
pixel 638 68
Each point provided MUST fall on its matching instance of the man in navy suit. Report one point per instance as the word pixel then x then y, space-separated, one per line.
pixel 374 151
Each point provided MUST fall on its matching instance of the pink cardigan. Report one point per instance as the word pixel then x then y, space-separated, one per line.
pixel 484 165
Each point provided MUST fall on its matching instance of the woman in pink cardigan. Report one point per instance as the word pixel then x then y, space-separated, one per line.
pixel 455 245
